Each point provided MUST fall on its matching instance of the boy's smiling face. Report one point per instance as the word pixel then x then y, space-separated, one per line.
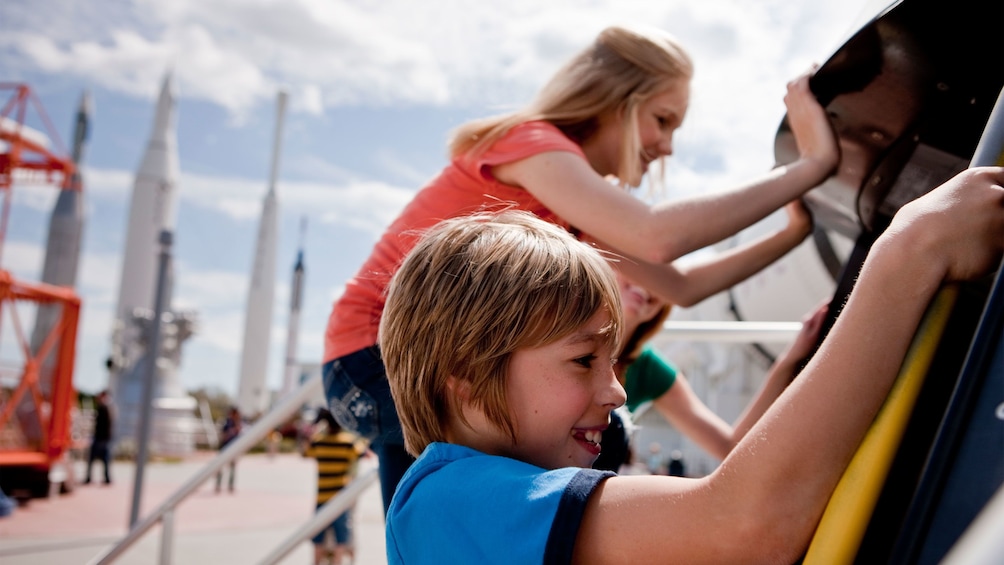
pixel 561 395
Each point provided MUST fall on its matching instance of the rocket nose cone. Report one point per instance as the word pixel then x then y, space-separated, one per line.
pixel 167 86
pixel 82 126
pixel 86 107
pixel 165 106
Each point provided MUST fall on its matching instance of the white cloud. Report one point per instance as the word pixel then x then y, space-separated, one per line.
pixel 391 164
pixel 35 195
pixel 209 289
pixel 309 100
pixel 208 69
pixel 369 205
pixel 312 166
pixel 236 53
pixel 23 260
pixel 94 278
pixel 108 182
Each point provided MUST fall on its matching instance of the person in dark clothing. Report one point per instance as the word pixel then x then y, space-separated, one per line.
pixel 676 465
pixel 101 441
pixel 231 429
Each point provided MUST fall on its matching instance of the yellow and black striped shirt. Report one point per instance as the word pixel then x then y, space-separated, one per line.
pixel 337 455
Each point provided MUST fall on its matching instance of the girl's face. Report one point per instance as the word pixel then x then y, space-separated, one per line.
pixel 638 304
pixel 561 395
pixel 658 119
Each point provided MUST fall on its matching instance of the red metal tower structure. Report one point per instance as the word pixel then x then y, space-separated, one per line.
pixel 25 156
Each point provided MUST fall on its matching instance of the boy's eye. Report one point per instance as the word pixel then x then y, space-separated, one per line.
pixel 586 360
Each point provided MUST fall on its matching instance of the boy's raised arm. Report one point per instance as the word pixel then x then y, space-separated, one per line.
pixel 762 504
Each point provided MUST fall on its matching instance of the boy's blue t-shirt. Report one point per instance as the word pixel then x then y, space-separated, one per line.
pixel 458 505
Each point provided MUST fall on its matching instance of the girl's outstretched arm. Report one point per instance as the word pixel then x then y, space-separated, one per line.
pixel 686 285
pixel 571 187
pixel 763 503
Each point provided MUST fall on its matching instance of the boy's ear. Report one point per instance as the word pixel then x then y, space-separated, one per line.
pixel 459 388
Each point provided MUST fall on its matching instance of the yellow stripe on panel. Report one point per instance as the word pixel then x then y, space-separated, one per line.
pixel 846 517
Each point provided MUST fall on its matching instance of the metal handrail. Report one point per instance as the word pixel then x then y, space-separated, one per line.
pixel 244 442
pixel 325 515
pixel 731 332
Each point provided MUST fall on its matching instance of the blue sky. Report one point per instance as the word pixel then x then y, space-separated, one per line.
pixel 375 88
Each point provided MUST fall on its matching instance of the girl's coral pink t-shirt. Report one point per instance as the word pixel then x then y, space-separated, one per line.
pixel 464 186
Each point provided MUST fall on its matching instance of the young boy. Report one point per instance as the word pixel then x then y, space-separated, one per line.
pixel 499 334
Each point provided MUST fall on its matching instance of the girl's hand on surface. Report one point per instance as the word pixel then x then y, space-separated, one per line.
pixel 806 339
pixel 813 131
pixel 799 218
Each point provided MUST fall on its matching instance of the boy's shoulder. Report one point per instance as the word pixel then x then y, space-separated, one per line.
pixel 456 493
pixel 457 463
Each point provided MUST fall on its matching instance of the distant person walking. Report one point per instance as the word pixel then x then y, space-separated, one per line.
pixel 101 441
pixel 231 429
pixel 337 453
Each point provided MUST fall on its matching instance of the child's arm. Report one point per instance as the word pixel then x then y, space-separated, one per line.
pixel 686 412
pixel 690 284
pixel 762 504
pixel 782 372
pixel 570 187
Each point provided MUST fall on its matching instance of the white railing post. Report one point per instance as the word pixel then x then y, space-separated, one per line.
pixel 166 537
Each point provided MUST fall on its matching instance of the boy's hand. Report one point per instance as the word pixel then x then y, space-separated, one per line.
pixel 959 226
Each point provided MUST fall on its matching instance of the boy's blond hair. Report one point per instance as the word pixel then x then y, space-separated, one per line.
pixel 618 72
pixel 472 291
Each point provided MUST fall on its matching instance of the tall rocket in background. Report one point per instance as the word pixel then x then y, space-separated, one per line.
pixel 292 367
pixel 66 226
pixel 62 257
pixel 252 391
pixel 151 210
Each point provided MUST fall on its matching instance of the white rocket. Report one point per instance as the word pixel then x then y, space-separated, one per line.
pixel 151 210
pixel 292 367
pixel 252 392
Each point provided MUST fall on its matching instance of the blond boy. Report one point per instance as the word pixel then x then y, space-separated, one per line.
pixel 499 334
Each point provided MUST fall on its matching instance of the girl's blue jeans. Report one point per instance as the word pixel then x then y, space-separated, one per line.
pixel 359 398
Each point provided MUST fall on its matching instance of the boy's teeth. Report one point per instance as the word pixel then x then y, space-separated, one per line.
pixel 592 436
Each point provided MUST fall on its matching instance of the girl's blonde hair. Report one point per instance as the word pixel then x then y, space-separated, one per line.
pixel 474 290
pixel 619 71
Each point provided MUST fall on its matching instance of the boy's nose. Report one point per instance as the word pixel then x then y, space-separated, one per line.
pixel 612 394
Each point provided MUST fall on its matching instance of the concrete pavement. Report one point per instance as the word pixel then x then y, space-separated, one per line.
pixel 273 497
